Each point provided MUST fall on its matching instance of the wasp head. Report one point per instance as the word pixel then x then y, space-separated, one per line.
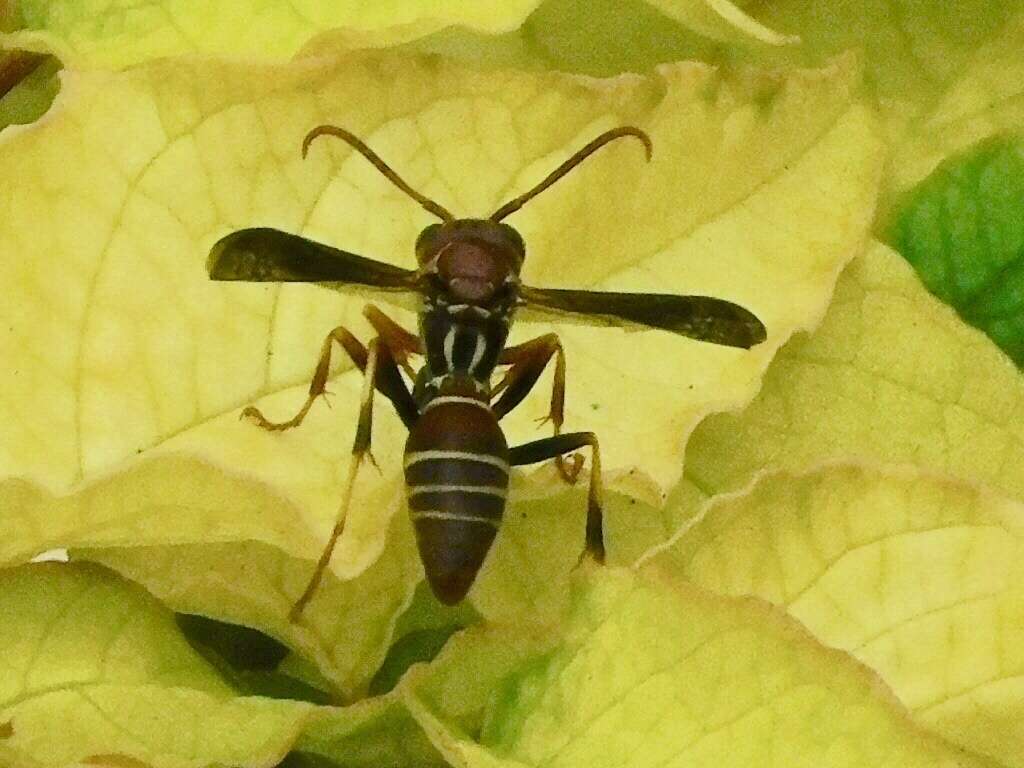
pixel 472 258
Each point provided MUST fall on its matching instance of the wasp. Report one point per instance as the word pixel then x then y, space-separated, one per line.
pixel 457 460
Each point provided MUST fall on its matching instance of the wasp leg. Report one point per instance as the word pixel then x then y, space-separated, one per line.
pixel 389 382
pixel 318 386
pixel 552 447
pixel 376 354
pixel 399 341
pixel 528 361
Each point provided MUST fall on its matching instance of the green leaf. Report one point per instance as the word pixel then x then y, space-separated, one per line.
pixel 228 548
pixel 918 577
pixel 99 655
pixel 980 100
pixel 241 648
pixel 721 20
pixel 28 86
pixel 420 633
pixel 608 37
pixel 154 164
pixel 343 633
pixel 527 578
pixel 651 671
pixel 368 734
pixel 963 230
pixel 102 659
pixel 191 162
pixel 250 660
pixel 944 76
pixel 912 50
pixel 411 648
pixel 121 33
pixel 485 52
pixel 892 376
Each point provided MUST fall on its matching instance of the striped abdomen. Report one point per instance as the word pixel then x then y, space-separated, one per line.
pixel 456 475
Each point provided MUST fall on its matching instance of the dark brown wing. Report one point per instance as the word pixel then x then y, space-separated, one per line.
pixel 269 255
pixel 704 318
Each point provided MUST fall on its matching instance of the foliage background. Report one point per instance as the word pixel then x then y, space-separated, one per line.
pixel 815 545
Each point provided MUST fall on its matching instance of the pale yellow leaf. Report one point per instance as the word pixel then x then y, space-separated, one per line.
pixel 917 576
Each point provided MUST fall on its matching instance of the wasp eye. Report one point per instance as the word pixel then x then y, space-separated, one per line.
pixel 427 238
pixel 515 238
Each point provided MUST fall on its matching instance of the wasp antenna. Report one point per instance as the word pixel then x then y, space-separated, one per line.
pixel 357 144
pixel 615 133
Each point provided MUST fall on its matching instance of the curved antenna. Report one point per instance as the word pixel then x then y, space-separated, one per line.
pixel 380 165
pixel 514 205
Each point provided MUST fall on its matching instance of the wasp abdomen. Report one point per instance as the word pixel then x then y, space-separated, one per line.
pixel 456 474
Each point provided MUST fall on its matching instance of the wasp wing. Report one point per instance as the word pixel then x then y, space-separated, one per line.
pixel 704 318
pixel 262 254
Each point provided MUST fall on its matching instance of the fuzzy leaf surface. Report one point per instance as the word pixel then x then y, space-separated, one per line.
pixel 119 33
pixel 86 650
pixel 650 671
pixel 135 175
pixel 892 376
pixel 917 576
pixel 963 231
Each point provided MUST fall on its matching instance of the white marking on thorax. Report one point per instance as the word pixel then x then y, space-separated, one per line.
pixel 458 309
pixel 478 352
pixel 479 386
pixel 449 347
pixel 457 399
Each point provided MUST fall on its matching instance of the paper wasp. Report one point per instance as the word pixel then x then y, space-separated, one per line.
pixel 457 461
